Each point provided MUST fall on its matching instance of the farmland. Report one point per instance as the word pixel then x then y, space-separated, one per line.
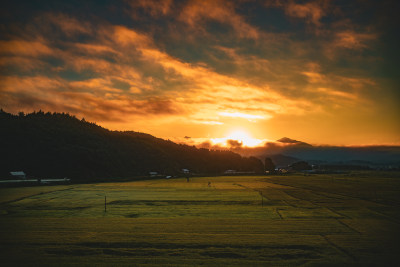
pixel 291 220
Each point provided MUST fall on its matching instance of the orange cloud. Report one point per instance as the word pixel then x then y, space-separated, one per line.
pixel 24 64
pixel 352 40
pixel 206 91
pixel 25 48
pixel 94 85
pixel 196 12
pixel 33 93
pixel 128 37
pixel 312 12
pixel 330 92
pixel 336 93
pixel 95 49
pixel 315 77
pixel 250 117
pixel 70 26
pixel 208 122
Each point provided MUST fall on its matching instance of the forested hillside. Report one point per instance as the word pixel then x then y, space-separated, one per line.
pixel 57 145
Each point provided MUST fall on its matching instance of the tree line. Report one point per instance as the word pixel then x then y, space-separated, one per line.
pixel 58 145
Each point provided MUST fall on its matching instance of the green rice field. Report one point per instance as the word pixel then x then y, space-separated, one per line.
pixel 295 220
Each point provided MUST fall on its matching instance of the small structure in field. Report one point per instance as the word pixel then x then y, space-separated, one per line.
pixel 185 171
pixel 230 172
pixel 18 175
pixel 283 170
pixel 153 174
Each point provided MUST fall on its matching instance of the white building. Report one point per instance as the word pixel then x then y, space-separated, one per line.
pixel 18 174
pixel 153 174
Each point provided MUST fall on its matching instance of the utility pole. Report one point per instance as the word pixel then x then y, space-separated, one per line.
pixel 105 203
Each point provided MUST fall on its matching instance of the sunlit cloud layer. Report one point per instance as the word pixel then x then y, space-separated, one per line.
pixel 316 71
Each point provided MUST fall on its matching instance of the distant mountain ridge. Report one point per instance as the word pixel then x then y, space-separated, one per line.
pixel 282 160
pixel 285 151
pixel 351 155
pixel 356 155
pixel 58 145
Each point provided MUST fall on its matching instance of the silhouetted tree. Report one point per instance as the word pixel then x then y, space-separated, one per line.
pixel 269 165
pixel 301 166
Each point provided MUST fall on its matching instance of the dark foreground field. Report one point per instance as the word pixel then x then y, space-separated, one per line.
pixel 317 220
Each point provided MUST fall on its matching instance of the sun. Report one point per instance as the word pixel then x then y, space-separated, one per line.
pixel 240 135
pixel 243 137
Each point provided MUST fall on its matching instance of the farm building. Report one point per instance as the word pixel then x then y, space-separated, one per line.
pixel 18 174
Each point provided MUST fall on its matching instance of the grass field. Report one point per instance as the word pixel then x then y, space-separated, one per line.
pixel 317 220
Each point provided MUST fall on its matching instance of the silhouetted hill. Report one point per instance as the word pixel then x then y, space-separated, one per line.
pixel 58 145
pixel 286 151
pixel 287 140
pixel 337 154
pixel 373 156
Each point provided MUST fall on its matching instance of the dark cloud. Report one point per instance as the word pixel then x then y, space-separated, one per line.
pixel 161 106
pixel 234 143
pixel 153 8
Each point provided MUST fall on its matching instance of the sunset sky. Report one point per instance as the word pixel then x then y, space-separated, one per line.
pixel 323 72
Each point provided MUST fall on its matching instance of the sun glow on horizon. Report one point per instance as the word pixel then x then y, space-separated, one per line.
pixel 241 136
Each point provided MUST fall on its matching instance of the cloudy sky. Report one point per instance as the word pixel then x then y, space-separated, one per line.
pixel 324 72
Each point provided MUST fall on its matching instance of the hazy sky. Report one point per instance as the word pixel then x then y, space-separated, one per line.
pixel 324 72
